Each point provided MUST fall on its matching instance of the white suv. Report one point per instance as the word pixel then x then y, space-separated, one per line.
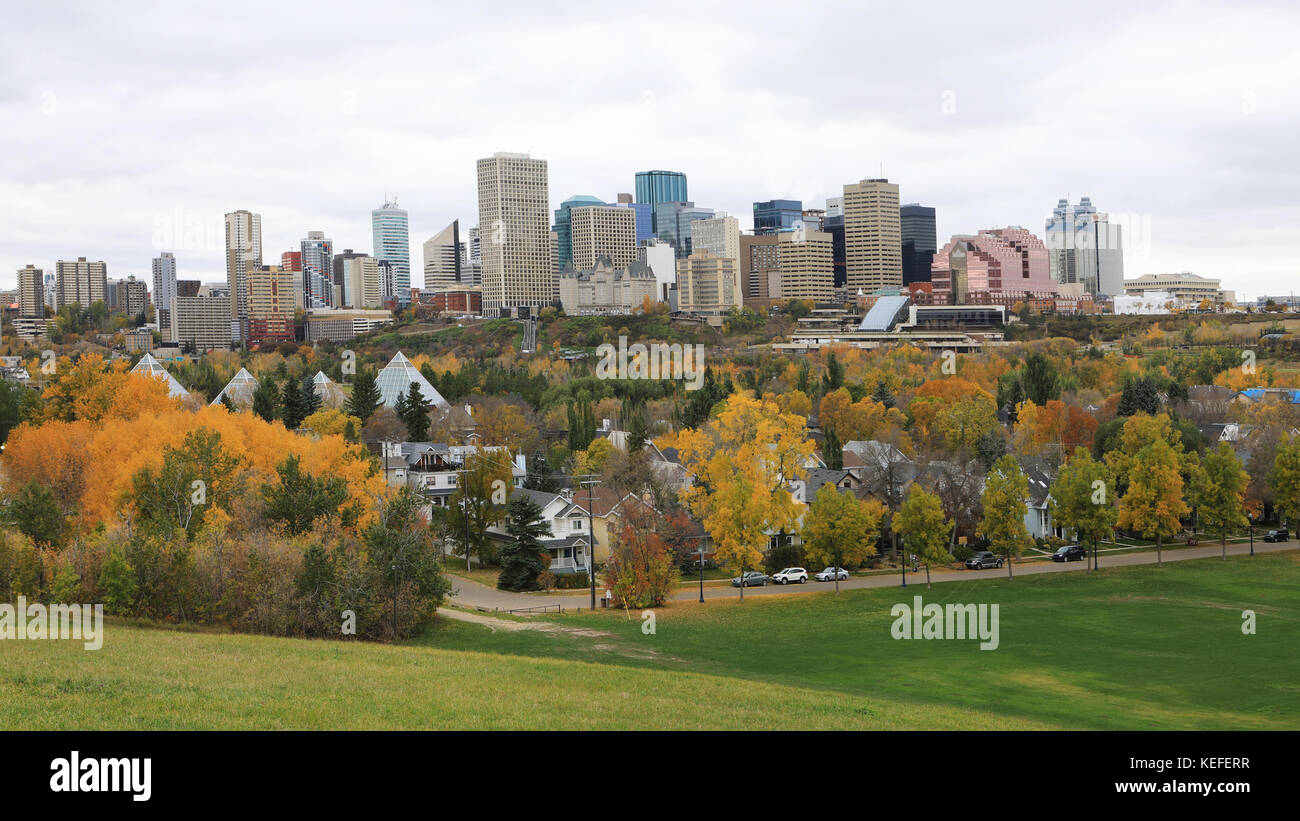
pixel 791 574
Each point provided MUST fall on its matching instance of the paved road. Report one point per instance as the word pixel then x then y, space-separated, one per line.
pixel 473 594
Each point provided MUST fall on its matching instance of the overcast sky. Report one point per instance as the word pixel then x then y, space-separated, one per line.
pixel 130 128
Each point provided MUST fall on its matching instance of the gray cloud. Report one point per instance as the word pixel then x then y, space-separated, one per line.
pixel 122 117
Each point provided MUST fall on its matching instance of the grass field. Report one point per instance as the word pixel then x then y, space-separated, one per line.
pixel 1139 647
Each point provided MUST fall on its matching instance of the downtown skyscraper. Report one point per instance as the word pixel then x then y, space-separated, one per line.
pixel 514 218
pixel 1084 248
pixel 317 271
pixel 164 287
pixel 392 241
pixel 872 237
pixel 656 187
pixel 243 253
pixel 920 241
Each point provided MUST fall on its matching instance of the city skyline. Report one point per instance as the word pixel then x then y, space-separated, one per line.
pixel 988 142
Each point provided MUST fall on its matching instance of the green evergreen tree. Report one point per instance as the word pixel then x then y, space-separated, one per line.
pixel 523 559
pixel 365 396
pixel 414 412
pixel 266 399
pixel 833 451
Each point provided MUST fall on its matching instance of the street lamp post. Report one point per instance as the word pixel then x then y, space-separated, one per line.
pixel 1250 520
pixel 700 550
pixel 394 602
pixel 902 562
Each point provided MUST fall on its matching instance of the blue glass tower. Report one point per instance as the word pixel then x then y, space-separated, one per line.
pixel 655 187
pixel 775 216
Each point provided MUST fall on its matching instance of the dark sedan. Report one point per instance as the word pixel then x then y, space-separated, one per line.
pixel 1070 553
pixel 751 579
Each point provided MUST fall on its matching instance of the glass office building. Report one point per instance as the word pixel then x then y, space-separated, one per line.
pixel 655 187
pixel 393 244
pixel 563 227
pixel 775 216
pixel 673 224
pixel 916 228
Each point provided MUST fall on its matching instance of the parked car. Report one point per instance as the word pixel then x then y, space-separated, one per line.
pixel 1070 553
pixel 752 578
pixel 1277 535
pixel 982 560
pixel 830 574
pixel 795 575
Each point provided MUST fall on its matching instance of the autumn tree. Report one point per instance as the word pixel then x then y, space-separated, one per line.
pixel 1220 494
pixel 1153 504
pixel 744 462
pixel 839 529
pixel 482 492
pixel 921 523
pixel 1284 478
pixel 641 570
pixel 1082 499
pixel 1005 492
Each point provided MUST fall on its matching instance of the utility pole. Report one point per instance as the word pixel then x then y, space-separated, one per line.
pixel 591 541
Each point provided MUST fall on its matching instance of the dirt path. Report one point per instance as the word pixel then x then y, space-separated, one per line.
pixel 494 624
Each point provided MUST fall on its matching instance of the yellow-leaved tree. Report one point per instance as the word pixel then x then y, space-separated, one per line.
pixel 748 463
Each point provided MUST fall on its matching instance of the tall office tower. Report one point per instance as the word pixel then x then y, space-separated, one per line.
pixel 916 229
pixel 645 216
pixel 392 243
pixel 81 282
pixel 518 261
pixel 317 270
pixel 999 265
pixel 673 221
pixel 164 287
pixel 31 292
pixel 271 303
pixel 51 289
pixel 563 227
pixel 804 259
pixel 442 257
pixel 292 261
pixel 872 245
pixel 774 216
pixel 358 279
pixel 708 285
pixel 472 259
pixel 655 187
pixel 662 261
pixel 719 235
pixel 1084 247
pixel 388 281
pixel 833 224
pixel 243 251
pixel 759 271
pixel 602 231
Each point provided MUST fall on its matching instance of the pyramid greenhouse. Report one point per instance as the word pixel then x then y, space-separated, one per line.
pixel 396 378
pixel 152 367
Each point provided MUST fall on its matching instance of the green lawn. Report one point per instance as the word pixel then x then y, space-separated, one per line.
pixel 1138 647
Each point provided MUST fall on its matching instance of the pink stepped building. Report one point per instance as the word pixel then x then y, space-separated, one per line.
pixel 996 265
